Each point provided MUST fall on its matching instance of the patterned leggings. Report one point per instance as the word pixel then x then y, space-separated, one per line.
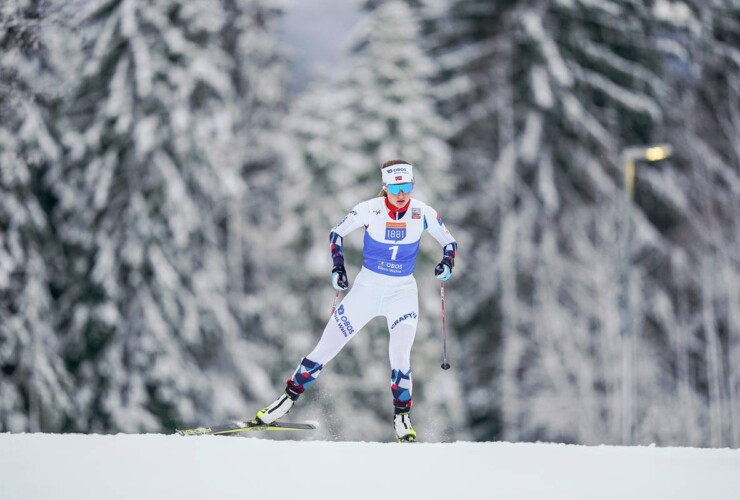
pixel 372 295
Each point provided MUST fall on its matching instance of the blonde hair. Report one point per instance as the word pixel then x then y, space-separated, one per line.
pixel 387 164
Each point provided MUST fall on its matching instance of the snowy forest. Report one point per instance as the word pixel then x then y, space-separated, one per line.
pixel 166 199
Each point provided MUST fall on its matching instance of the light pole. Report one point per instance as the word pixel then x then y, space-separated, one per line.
pixel 631 156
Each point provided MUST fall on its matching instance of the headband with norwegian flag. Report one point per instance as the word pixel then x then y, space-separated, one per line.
pixel 398 174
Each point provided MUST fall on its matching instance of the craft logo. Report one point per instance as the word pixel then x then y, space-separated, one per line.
pixel 376 212
pixel 343 322
pixel 416 213
pixel 411 315
pixel 395 231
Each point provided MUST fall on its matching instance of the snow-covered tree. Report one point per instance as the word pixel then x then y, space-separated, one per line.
pixel 149 172
pixel 705 268
pixel 35 386
pixel 259 77
pixel 543 97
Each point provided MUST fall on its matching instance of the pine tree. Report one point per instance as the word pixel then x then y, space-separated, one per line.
pixel 35 386
pixel 704 69
pixel 259 77
pixel 145 187
pixel 543 98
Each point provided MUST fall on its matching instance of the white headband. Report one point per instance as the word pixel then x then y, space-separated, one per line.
pixel 398 174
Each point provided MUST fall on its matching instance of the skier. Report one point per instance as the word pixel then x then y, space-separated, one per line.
pixel 385 286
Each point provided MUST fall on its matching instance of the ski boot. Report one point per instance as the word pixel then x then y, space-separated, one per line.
pixel 281 406
pixel 402 422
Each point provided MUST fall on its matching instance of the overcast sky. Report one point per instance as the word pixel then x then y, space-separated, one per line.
pixel 316 32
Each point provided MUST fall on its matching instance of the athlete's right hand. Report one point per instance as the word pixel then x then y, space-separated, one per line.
pixel 443 271
pixel 339 278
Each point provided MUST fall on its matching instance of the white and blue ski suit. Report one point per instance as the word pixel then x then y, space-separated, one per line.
pixel 384 287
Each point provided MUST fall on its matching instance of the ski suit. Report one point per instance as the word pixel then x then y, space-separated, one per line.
pixel 384 287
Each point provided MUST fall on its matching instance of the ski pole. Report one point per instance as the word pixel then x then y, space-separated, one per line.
pixel 445 364
pixel 334 305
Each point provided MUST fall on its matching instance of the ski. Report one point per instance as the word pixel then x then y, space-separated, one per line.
pixel 237 427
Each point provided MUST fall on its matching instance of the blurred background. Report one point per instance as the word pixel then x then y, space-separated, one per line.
pixel 170 171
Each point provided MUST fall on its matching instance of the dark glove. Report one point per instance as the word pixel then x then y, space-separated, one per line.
pixel 339 278
pixel 443 271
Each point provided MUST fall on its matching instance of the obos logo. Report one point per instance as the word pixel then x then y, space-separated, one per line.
pixel 343 322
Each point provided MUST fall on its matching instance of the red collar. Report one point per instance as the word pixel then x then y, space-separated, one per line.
pixel 395 212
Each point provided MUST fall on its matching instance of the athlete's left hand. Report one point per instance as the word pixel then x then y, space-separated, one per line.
pixel 443 271
pixel 339 278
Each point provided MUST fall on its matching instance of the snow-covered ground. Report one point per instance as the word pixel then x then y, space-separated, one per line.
pixel 81 467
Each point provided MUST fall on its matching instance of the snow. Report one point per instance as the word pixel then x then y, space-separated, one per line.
pixel 541 88
pixel 533 25
pixel 79 467
pixel 678 13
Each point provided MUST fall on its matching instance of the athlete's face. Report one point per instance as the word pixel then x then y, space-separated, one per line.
pixel 398 200
pixel 399 194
